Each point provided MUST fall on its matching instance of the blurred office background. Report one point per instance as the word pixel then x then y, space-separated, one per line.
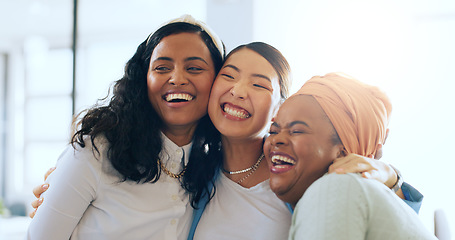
pixel 404 46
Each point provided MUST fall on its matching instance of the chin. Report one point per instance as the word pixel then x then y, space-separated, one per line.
pixel 278 187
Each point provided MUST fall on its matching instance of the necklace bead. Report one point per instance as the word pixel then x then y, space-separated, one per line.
pixel 247 169
pixel 252 169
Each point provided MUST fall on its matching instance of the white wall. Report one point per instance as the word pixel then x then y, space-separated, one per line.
pixel 406 48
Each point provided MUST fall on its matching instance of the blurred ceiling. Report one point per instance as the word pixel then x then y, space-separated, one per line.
pixel 96 18
pixel 104 19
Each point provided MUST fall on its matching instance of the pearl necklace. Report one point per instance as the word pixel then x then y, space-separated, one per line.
pixel 252 169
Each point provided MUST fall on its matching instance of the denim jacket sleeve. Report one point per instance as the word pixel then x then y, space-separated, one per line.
pixel 412 196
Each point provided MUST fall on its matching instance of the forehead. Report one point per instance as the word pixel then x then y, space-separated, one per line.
pixel 251 62
pixel 181 44
pixel 301 108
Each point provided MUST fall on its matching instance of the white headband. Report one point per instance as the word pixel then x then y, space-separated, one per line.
pixel 191 20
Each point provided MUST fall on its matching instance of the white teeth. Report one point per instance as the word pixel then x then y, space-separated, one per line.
pixel 279 159
pixel 235 112
pixel 182 96
pixel 281 166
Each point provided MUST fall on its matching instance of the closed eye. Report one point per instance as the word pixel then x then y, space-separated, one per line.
pixel 194 69
pixel 260 86
pixel 162 69
pixel 227 75
pixel 273 129
pixel 297 131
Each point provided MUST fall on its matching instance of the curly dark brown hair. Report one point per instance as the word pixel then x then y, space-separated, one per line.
pixel 132 127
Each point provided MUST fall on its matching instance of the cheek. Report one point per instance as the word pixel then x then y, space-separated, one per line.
pixel 217 87
pixel 266 148
pixel 205 85
pixel 311 155
pixel 325 155
pixel 213 99
pixel 215 94
pixel 263 104
pixel 153 86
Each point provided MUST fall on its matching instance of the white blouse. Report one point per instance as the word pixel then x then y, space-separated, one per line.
pixel 236 212
pixel 87 200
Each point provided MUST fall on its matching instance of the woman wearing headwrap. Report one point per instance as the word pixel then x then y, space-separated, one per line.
pixel 330 117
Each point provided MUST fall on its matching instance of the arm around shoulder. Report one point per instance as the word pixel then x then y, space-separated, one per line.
pixel 74 185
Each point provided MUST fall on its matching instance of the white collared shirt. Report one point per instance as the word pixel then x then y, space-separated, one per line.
pixel 236 212
pixel 86 200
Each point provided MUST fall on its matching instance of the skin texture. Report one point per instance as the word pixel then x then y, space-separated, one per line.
pixel 247 84
pixel 239 85
pixel 301 134
pixel 180 64
pixel 243 100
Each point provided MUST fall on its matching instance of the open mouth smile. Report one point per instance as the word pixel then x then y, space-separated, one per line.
pixel 235 111
pixel 178 97
pixel 282 161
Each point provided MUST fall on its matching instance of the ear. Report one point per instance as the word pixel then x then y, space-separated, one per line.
pixel 378 153
pixel 341 151
pixel 386 135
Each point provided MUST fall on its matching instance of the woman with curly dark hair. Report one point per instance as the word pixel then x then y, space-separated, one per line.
pixel 135 164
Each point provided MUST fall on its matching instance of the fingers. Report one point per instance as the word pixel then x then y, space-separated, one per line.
pixel 38 190
pixel 36 203
pixel 353 167
pixel 32 214
pixel 370 168
pixel 375 175
pixel 352 163
pixel 48 173
pixel 372 174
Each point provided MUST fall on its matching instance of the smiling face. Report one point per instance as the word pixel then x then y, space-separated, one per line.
pixel 244 96
pixel 179 80
pixel 300 147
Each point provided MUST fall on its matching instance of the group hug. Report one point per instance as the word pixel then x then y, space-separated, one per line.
pixel 197 143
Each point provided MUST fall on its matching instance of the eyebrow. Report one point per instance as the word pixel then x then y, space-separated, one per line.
pixel 254 74
pixel 291 124
pixel 262 76
pixel 163 59
pixel 298 122
pixel 195 58
pixel 186 60
pixel 233 67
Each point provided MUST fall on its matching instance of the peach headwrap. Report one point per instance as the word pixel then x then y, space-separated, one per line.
pixel 359 112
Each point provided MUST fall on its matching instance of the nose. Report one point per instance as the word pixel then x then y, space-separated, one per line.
pixel 239 90
pixel 178 78
pixel 279 139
